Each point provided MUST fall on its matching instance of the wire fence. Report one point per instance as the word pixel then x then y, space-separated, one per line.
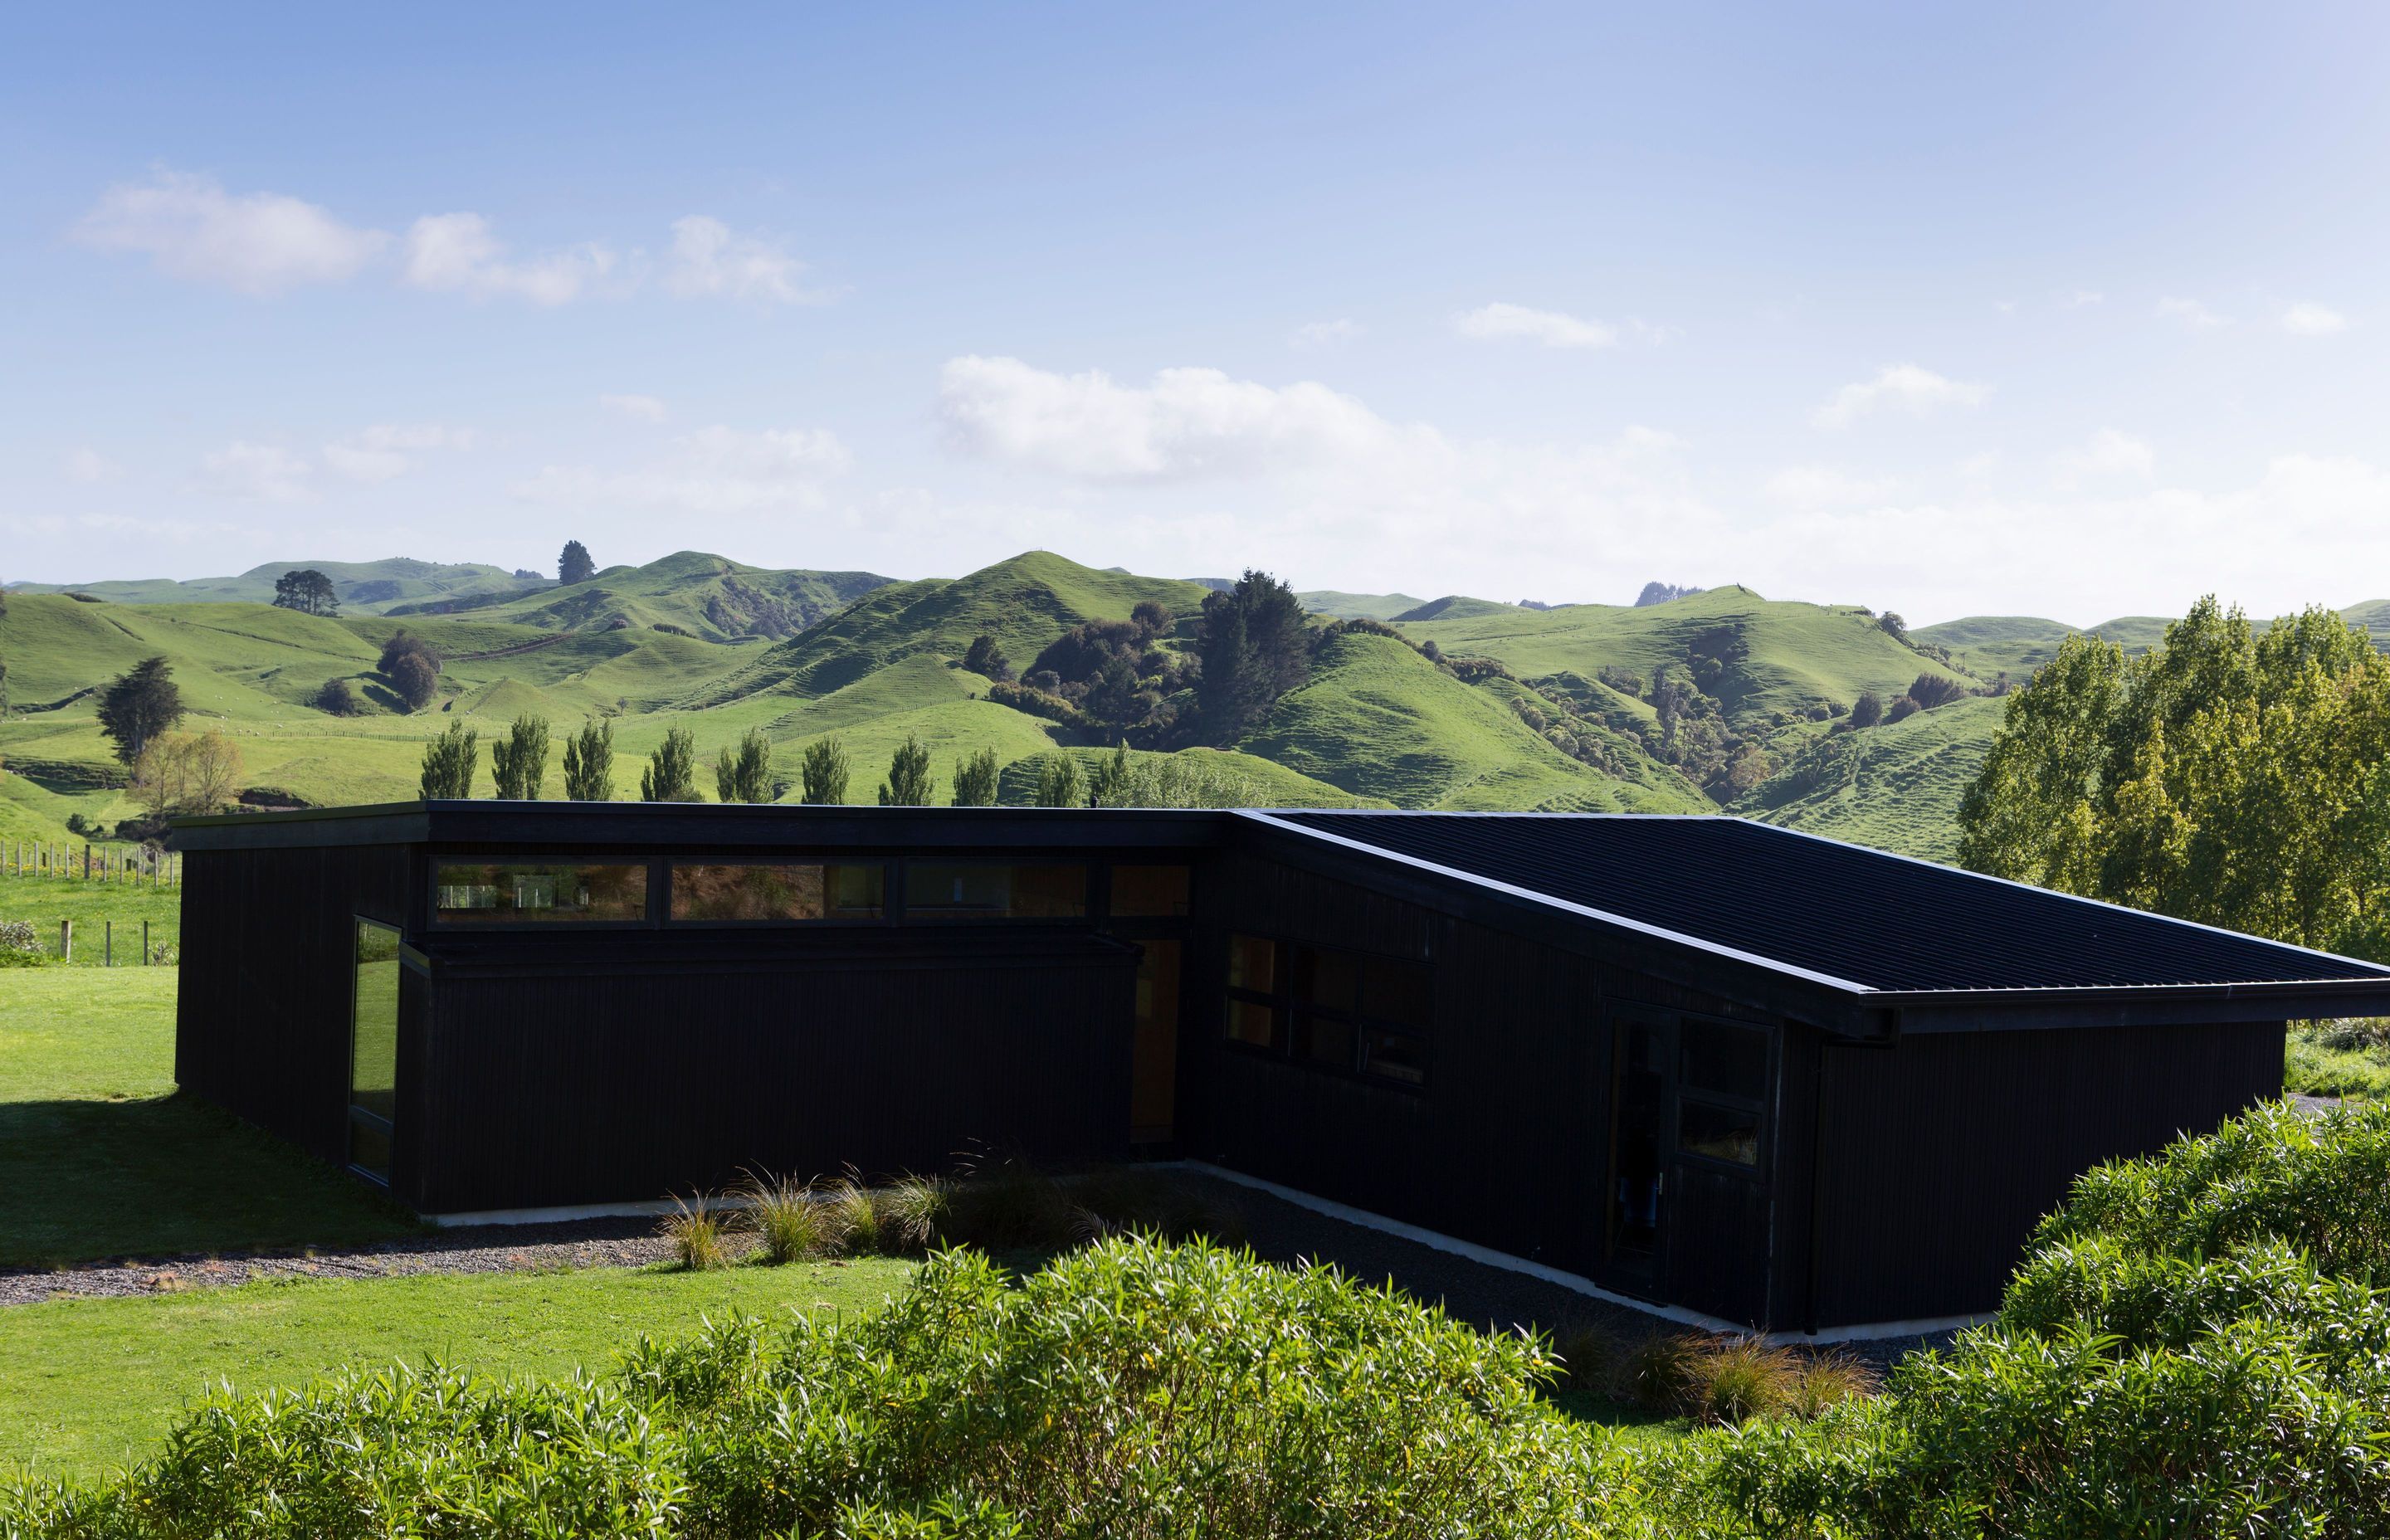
pixel 133 865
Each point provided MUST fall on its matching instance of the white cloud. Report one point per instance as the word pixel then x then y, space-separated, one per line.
pixel 1188 424
pixel 1897 387
pixel 2313 320
pixel 1325 334
pixel 1823 486
pixel 2110 452
pixel 88 467
pixel 385 450
pixel 259 471
pixel 642 408
pixel 257 243
pixel 456 252
pixel 716 470
pixel 1553 329
pixel 2189 314
pixel 708 259
pixel 2084 297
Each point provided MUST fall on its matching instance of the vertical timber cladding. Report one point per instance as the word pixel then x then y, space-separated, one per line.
pixel 563 1076
pixel 263 1016
pixel 1939 1153
pixel 1503 1147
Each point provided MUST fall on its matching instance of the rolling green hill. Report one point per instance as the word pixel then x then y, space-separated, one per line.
pixel 692 591
pixel 1989 645
pixel 1357 606
pixel 1456 606
pixel 1896 785
pixel 370 587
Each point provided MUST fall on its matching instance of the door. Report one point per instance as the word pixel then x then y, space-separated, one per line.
pixel 373 1050
pixel 1153 1072
pixel 1643 1107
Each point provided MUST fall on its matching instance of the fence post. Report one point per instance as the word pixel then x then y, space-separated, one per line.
pixel 66 941
pixel 87 860
pixel 145 944
pixel 108 943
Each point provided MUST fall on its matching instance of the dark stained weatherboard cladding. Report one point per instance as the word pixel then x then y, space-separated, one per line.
pixel 267 970
pixel 570 1072
pixel 1942 1152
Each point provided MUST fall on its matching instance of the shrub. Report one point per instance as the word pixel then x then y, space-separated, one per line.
pixel 1868 710
pixel 336 698
pixel 699 1234
pixel 20 944
pixel 853 1216
pixel 1902 708
pixel 1935 689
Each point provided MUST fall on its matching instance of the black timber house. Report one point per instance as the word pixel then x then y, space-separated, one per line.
pixel 1756 1075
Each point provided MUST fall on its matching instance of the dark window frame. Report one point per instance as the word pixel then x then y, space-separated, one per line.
pixel 657 869
pixel 899 898
pixel 1726 1101
pixel 1292 1014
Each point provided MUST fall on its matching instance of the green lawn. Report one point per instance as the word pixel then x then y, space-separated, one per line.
pixel 99 1159
pixel 93 905
pixel 90 1384
pixel 2338 1059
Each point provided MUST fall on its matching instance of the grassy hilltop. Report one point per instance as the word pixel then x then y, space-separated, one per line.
pixel 1720 700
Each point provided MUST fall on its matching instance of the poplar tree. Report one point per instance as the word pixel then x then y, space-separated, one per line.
pixel 519 760
pixel 745 774
pixel 975 780
pixel 448 762
pixel 671 775
pixel 909 783
pixel 1057 782
pixel 589 763
pixel 823 773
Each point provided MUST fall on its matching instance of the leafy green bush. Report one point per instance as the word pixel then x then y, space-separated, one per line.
pixel 20 944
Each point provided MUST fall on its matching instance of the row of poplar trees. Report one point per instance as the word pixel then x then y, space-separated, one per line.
pixel 741 774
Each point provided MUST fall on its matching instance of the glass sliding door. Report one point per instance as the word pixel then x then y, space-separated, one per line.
pixel 373 1050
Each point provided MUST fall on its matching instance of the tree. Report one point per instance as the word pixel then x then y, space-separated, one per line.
pixel 1151 617
pixel 1894 626
pixel 909 783
pixel 589 763
pixel 519 760
pixel 823 773
pixel 142 702
pixel 1935 689
pixel 186 773
pixel 1868 710
pixel 1255 650
pixel 573 564
pixel 336 698
pixel 975 780
pixel 985 658
pixel 449 762
pixel 401 643
pixel 1057 782
pixel 671 775
pixel 415 680
pixel 745 776
pixel 307 591
pixel 1113 694
pixel 1110 778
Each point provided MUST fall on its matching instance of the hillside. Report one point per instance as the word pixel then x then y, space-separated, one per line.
pixel 1356 606
pixel 1896 785
pixel 369 586
pixel 692 591
pixel 1988 645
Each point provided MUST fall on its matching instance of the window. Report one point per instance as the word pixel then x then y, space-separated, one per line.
pixel 989 891
pixel 538 893
pixel 1331 1009
pixel 1148 892
pixel 373 1049
pixel 758 893
pixel 1722 1082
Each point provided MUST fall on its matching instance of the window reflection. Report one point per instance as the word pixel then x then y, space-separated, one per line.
pixel 990 890
pixel 536 894
pixel 757 893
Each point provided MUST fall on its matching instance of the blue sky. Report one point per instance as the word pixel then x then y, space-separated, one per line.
pixel 2069 310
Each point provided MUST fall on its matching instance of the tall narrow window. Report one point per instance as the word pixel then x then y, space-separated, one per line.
pixel 1155 1048
pixel 1257 992
pixel 373 1049
pixel 1722 1086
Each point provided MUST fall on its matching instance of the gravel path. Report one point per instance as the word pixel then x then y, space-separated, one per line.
pixel 477 1249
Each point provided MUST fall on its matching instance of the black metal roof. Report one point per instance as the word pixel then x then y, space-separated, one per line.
pixel 1842 914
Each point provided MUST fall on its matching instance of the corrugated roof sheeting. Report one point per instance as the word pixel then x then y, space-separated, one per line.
pixel 1884 923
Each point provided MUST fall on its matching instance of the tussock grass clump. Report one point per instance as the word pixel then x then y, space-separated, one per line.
pixel 1717 1380
pixel 785 1218
pixel 699 1229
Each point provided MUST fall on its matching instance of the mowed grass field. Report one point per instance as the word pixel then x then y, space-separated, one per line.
pixel 94 906
pixel 99 1160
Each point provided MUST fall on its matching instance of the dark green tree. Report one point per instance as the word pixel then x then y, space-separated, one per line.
pixel 1058 783
pixel 909 783
pixel 984 657
pixel 975 780
pixel 573 565
pixel 589 763
pixel 307 591
pixel 415 679
pixel 519 760
pixel 823 772
pixel 336 698
pixel 671 775
pixel 1255 650
pixel 1113 694
pixel 1151 617
pixel 1868 710
pixel 142 702
pixel 1111 776
pixel 744 775
pixel 448 762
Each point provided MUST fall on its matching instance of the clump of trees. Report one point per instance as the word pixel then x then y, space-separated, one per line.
pixel 2228 776
pixel 412 669
pixel 307 591
pixel 744 775
pixel 1255 650
pixel 1058 783
pixel 519 760
pixel 180 774
pixel 573 565
pixel 336 698
pixel 909 783
pixel 823 773
pixel 449 762
pixel 589 763
pixel 138 705
pixel 671 775
pixel 986 657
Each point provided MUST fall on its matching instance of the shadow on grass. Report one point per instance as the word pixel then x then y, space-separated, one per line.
pixel 89 1181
